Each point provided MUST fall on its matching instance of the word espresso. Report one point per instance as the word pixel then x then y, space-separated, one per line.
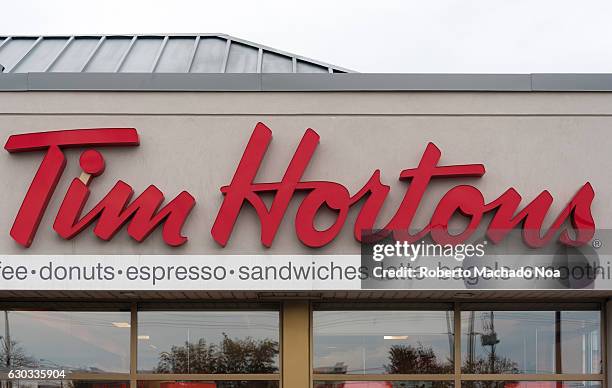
pixel 143 214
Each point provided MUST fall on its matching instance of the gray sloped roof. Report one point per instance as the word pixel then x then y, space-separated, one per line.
pixel 163 53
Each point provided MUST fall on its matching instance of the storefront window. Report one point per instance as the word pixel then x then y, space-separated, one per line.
pixel 208 384
pixel 383 342
pixel 383 384
pixel 531 342
pixel 508 341
pixel 74 341
pixel 208 342
pixel 580 346
pixel 363 347
pixel 531 384
pixel 63 384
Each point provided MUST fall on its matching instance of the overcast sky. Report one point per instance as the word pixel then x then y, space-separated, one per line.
pixel 426 36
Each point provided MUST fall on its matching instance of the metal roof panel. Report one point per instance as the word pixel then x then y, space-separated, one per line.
pixel 13 50
pixel 73 59
pixel 39 58
pixel 176 56
pixel 106 57
pixel 209 56
pixel 141 55
pixel 152 53
pixel 241 59
pixel 275 63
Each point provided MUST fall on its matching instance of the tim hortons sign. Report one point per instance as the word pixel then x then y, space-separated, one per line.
pixel 145 213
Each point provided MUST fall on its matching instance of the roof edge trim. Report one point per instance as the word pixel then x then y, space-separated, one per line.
pixel 304 82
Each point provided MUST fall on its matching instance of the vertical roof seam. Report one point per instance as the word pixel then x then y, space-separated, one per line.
pixel 125 55
pixel 160 52
pixel 226 56
pixel 196 44
pixel 93 53
pixel 26 54
pixel 59 54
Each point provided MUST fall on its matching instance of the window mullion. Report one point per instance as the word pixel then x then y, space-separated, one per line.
pixel 457 338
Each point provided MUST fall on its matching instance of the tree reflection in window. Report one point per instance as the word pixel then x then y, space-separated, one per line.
pixel 493 364
pixel 12 355
pixel 229 356
pixel 383 341
pixel 91 341
pixel 407 359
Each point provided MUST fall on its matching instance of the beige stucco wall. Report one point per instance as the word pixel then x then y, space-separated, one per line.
pixel 193 142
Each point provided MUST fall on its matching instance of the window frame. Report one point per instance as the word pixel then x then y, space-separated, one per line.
pixel 458 307
pixel 134 308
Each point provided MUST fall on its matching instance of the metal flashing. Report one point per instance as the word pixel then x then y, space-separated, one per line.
pixel 348 82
